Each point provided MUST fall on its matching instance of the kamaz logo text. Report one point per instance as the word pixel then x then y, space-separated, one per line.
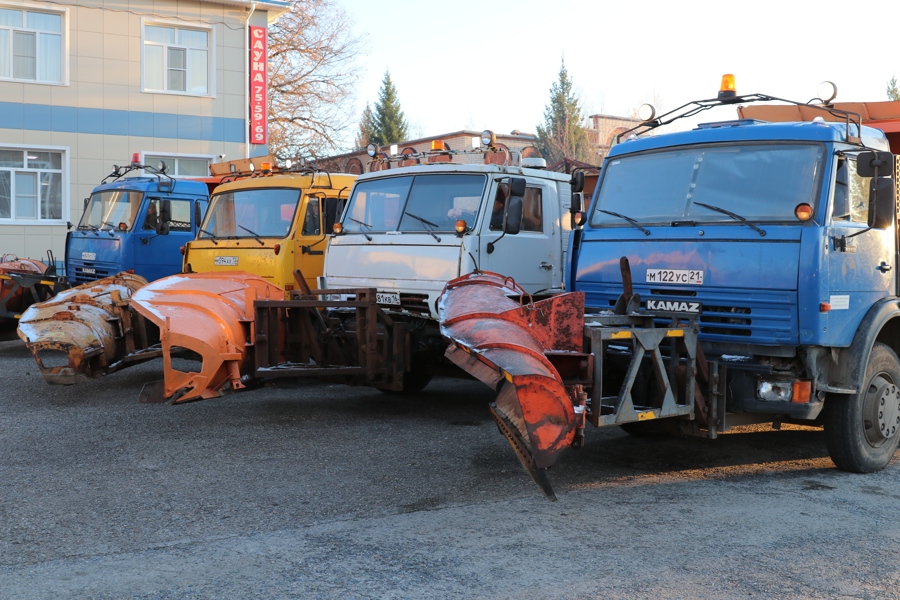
pixel 674 306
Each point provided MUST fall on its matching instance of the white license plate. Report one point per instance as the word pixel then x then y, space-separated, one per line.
pixel 89 271
pixel 226 261
pixel 678 276
pixel 88 256
pixel 392 298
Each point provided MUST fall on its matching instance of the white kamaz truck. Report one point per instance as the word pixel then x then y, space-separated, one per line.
pixel 413 223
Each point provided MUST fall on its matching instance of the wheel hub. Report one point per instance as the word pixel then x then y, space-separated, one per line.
pixel 884 414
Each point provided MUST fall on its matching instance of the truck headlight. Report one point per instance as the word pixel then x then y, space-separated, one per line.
pixel 775 391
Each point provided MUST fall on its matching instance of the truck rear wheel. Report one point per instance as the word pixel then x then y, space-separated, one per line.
pixel 862 431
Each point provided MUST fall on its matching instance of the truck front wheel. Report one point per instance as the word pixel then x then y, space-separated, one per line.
pixel 862 431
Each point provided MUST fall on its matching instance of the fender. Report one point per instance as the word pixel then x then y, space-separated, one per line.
pixel 852 361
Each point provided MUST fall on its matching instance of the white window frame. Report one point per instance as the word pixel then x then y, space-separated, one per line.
pixel 63 14
pixel 172 163
pixel 210 57
pixel 64 183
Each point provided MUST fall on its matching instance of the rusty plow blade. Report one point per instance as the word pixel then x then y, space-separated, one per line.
pixel 87 331
pixel 21 284
pixel 209 314
pixel 502 337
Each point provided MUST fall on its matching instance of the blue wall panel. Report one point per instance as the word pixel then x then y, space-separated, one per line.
pixel 12 115
pixel 68 119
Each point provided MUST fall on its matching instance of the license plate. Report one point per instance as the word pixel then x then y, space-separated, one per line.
pixel 392 298
pixel 88 256
pixel 226 261
pixel 682 276
pixel 89 271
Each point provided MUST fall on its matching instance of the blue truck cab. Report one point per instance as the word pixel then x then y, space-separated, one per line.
pixel 780 241
pixel 136 224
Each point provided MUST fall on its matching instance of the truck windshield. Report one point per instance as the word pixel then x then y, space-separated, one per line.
pixel 437 201
pixel 759 182
pixel 251 213
pixel 115 209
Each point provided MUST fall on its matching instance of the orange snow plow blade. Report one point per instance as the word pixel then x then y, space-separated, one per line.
pixel 87 331
pixel 502 337
pixel 210 314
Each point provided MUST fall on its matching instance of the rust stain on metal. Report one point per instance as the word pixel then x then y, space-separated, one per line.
pixel 87 331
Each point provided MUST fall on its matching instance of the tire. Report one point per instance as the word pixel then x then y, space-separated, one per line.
pixel 862 431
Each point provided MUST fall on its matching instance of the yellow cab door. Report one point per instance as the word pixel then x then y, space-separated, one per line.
pixel 318 213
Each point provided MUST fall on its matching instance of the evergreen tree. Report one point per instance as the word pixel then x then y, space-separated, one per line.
pixel 389 126
pixel 366 133
pixel 563 134
pixel 892 92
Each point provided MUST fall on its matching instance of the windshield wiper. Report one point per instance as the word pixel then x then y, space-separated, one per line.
pixel 428 225
pixel 368 237
pixel 254 234
pixel 734 216
pixel 211 236
pixel 629 219
pixel 93 228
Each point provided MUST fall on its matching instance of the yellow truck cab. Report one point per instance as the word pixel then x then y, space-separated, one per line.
pixel 269 224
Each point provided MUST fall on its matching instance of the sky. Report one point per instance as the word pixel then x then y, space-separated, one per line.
pixel 490 64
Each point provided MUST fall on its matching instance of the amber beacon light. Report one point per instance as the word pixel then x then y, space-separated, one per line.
pixel 727 89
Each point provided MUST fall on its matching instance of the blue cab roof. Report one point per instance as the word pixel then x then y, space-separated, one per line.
pixel 749 130
pixel 145 184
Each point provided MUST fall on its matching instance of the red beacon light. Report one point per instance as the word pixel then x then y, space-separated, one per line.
pixel 136 158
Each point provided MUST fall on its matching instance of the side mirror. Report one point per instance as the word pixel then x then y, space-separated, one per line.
pixel 577 204
pixel 512 220
pixel 517 186
pixel 86 200
pixel 882 203
pixel 198 215
pixel 875 164
pixel 577 182
pixel 163 228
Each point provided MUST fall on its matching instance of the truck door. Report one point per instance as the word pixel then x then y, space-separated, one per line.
pixel 532 256
pixel 861 268
pixel 159 255
pixel 318 215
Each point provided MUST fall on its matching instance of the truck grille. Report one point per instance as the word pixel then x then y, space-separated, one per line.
pixel 414 303
pixel 83 272
pixel 758 317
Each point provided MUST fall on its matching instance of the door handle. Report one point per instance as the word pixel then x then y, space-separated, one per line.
pixel 547 266
pixel 884 267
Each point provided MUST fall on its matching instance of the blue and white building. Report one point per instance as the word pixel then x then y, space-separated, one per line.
pixel 85 84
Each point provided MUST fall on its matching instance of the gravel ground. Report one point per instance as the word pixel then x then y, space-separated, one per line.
pixel 313 490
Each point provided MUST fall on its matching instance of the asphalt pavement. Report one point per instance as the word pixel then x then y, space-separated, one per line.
pixel 316 490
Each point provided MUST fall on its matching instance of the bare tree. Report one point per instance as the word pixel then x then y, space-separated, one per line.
pixel 312 75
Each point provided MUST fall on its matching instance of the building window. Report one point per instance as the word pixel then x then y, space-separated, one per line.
pixel 177 60
pixel 30 185
pixel 180 166
pixel 31 45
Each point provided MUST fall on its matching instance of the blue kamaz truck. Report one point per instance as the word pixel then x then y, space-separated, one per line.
pixel 133 224
pixel 743 271
pixel 136 224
